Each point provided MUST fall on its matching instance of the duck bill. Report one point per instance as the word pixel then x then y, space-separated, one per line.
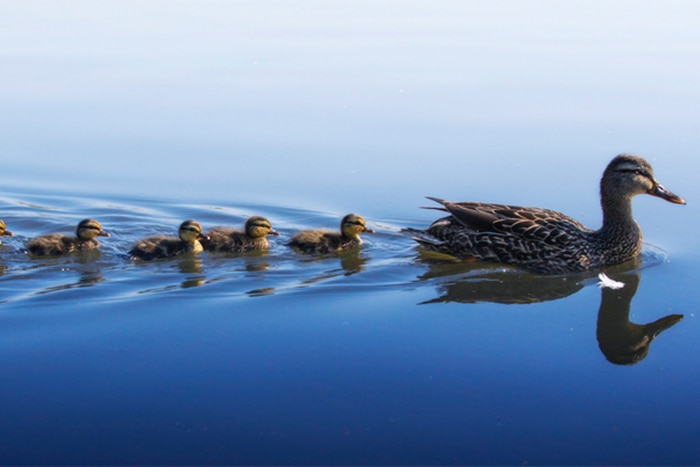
pixel 102 233
pixel 662 324
pixel 273 232
pixel 661 192
pixel 367 230
pixel 203 237
pixel 7 233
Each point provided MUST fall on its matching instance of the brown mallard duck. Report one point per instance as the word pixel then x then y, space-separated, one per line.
pixel 546 241
pixel 163 246
pixel 3 232
pixel 60 244
pixel 325 241
pixel 252 238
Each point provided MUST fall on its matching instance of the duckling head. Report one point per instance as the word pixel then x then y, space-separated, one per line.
pixel 191 231
pixel 353 225
pixel 88 229
pixel 627 176
pixel 258 227
pixel 4 232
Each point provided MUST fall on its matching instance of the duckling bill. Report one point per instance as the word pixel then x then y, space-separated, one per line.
pixel 325 241
pixel 162 246
pixel 546 241
pixel 252 238
pixel 60 244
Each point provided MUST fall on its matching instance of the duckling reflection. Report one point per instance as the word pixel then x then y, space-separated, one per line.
pixel 351 262
pixel 256 266
pixel 621 341
pixel 189 264
pixel 88 278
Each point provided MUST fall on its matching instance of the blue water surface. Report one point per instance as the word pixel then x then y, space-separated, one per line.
pixel 145 114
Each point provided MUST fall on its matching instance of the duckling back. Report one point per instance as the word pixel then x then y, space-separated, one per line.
pixel 53 245
pixel 225 239
pixel 161 246
pixel 321 241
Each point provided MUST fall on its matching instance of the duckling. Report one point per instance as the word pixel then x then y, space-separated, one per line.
pixel 3 232
pixel 59 244
pixel 324 241
pixel 252 238
pixel 162 246
pixel 545 241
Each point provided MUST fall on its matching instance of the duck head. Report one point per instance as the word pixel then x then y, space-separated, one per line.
pixel 353 225
pixel 191 231
pixel 627 176
pixel 257 227
pixel 88 229
pixel 3 232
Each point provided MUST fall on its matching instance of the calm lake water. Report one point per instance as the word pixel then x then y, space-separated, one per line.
pixel 144 114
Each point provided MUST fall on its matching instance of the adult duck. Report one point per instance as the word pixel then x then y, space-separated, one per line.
pixel 546 241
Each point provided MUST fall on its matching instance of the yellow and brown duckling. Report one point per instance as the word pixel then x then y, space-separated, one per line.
pixel 325 241
pixel 546 241
pixel 60 244
pixel 3 232
pixel 253 237
pixel 163 246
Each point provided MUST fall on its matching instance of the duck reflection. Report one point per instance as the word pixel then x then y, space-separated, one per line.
pixel 352 262
pixel 87 279
pixel 190 264
pixel 621 341
pixel 476 282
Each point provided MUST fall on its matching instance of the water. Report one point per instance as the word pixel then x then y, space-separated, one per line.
pixel 145 115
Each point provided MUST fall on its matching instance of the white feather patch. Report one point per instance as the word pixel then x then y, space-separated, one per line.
pixel 605 281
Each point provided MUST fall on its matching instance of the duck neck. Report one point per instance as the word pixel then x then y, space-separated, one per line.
pixel 618 222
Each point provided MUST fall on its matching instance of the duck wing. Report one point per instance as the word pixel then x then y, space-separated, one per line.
pixel 543 225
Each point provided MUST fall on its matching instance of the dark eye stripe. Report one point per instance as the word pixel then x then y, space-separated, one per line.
pixel 637 171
